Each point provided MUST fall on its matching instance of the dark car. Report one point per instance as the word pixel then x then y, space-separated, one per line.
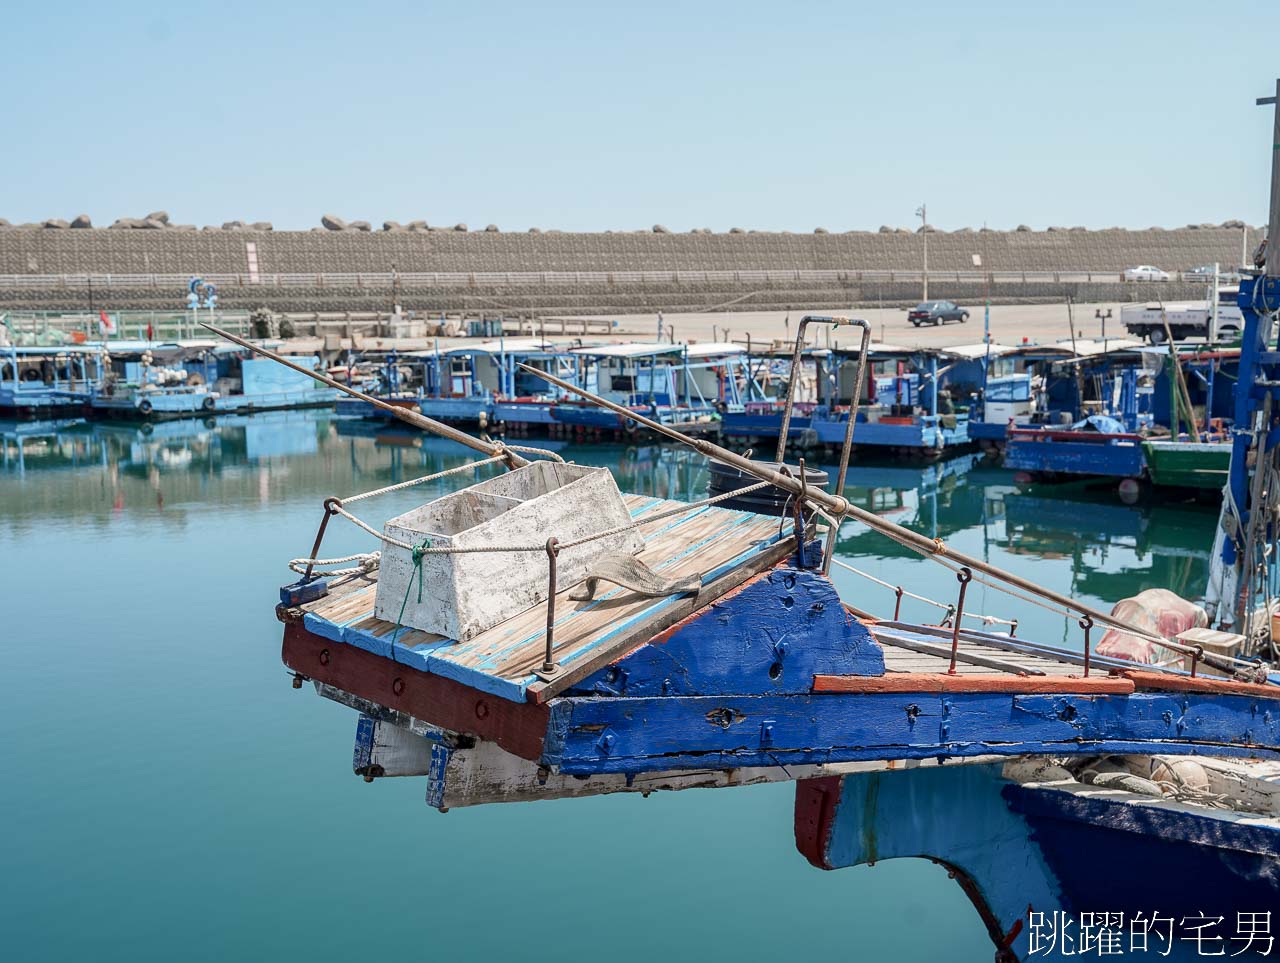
pixel 936 312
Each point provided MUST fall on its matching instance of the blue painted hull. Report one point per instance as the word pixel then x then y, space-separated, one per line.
pixel 1031 856
pixel 193 404
pixel 524 413
pixel 588 416
pixel 761 425
pixel 924 431
pixel 469 410
pixel 38 402
pixel 1050 453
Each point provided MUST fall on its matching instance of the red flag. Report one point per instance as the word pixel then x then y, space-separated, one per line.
pixel 105 324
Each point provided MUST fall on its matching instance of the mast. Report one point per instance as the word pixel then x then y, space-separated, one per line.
pixel 1241 564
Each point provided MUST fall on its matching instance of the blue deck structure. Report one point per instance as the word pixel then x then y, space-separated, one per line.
pixel 691 385
pixel 1097 409
pixel 764 392
pixel 480 384
pixel 901 407
pixel 392 377
pixel 43 382
pixel 187 379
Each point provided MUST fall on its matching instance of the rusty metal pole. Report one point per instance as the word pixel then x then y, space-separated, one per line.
pixel 1086 623
pixel 549 666
pixel 965 577
pixel 837 504
pixel 781 450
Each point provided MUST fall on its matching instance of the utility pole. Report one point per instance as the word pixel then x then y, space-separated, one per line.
pixel 922 212
pixel 1272 267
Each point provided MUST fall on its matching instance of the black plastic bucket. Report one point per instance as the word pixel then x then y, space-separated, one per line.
pixel 764 501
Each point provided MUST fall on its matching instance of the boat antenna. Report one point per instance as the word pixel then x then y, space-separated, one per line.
pixel 418 420
pixel 840 508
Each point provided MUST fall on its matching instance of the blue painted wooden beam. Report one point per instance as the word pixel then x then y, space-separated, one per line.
pixel 588 735
pixel 772 635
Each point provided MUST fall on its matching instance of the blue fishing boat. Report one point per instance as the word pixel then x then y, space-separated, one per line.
pixel 764 396
pixel 43 382
pixel 464 384
pixel 391 377
pixel 1101 409
pixel 901 406
pixel 185 379
pixel 689 385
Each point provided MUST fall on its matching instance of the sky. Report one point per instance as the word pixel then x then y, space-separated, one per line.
pixel 599 116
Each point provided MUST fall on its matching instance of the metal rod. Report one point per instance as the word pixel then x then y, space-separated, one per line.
pixel 800 500
pixel 897 602
pixel 847 450
pixel 838 505
pixel 315 548
pixel 549 666
pixel 965 577
pixel 1086 623
pixel 414 418
pixel 781 452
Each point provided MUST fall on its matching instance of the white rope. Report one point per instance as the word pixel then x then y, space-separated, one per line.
pixel 338 509
pixel 369 561
pixel 525 449
pixel 457 470
pixel 984 619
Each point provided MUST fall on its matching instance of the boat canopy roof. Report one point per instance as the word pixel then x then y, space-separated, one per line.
pixel 634 349
pixel 505 346
pixel 31 350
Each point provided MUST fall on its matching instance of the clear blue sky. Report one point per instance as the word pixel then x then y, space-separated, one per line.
pixel 588 116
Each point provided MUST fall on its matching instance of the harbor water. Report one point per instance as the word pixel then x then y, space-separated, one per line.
pixel 168 796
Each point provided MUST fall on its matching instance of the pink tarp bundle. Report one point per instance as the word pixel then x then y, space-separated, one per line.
pixel 1157 611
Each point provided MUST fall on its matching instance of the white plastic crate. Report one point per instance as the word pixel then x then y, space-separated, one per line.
pixel 464 594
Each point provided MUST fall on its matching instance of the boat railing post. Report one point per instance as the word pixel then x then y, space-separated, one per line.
pixel 792 377
pixel 964 576
pixel 330 509
pixel 897 602
pixel 847 450
pixel 549 666
pixel 1086 623
pixel 799 520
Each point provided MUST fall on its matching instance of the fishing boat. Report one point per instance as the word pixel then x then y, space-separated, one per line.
pixel 45 382
pixel 466 383
pixel 1132 403
pixel 769 372
pixel 184 379
pixel 1008 386
pixel 902 405
pixel 691 385
pixel 643 644
pixel 391 376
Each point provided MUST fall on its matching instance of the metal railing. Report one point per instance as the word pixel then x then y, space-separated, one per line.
pixel 454 279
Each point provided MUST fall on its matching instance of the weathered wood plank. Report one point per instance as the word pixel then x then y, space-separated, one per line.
pixel 932 682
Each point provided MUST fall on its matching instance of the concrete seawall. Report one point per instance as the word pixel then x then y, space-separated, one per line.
pixel 262 254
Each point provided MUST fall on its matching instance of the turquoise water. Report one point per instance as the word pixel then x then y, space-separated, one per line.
pixel 167 796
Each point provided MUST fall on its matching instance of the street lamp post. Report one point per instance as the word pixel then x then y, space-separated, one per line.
pixel 1098 313
pixel 923 213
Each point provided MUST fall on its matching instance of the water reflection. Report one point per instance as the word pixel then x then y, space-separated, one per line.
pixel 1105 549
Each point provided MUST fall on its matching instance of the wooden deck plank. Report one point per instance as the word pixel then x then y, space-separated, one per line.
pixel 933 682
pixel 704 540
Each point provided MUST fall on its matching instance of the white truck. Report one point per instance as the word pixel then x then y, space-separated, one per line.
pixel 1207 320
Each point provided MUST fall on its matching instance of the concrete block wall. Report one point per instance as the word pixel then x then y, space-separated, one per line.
pixel 62 251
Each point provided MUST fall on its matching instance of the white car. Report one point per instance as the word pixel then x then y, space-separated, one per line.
pixel 1145 272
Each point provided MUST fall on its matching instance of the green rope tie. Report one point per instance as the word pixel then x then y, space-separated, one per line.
pixel 418 551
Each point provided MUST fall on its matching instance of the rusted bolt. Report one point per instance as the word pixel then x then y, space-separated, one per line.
pixel 482 709
pixel 397 686
pixel 324 656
